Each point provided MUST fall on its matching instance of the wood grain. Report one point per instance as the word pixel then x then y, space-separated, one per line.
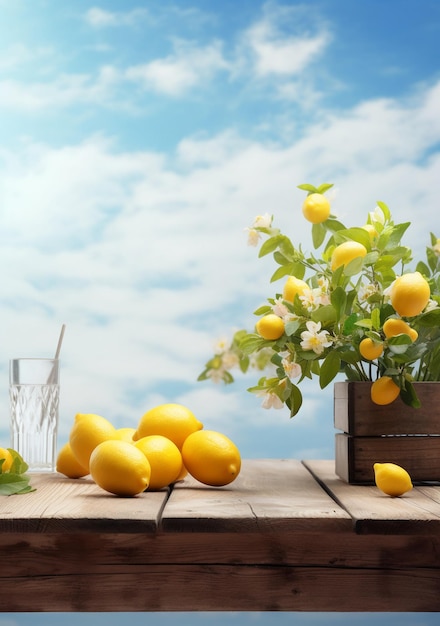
pixel 374 512
pixel 285 536
pixel 268 494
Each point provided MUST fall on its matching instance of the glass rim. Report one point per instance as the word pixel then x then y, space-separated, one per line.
pixel 33 358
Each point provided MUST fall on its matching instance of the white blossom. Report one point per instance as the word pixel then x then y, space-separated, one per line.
pixel 263 221
pixel 271 400
pixel 292 369
pixel 314 338
pixel 253 236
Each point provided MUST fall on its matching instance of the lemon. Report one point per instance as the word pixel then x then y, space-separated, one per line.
pixel 371 231
pixel 370 349
pixel 211 458
pixel 87 432
pixel 270 327
pixel 384 390
pixel 126 434
pixel 8 460
pixel 346 252
pixel 164 457
pixel 294 286
pixel 316 208
pixel 409 294
pixel 392 479
pixel 171 420
pixel 120 468
pixel 68 465
pixel 393 327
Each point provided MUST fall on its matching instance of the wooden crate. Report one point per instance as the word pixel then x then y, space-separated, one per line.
pixel 392 433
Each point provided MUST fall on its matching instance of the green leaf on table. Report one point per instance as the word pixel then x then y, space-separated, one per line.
pixel 14 480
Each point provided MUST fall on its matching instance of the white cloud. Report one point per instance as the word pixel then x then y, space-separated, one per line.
pixel 101 18
pixel 282 43
pixel 188 67
pixel 62 91
pixel 283 56
pixel 145 259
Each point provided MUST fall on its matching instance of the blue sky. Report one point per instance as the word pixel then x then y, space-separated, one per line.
pixel 138 139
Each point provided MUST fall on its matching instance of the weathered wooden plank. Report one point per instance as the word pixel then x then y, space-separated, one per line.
pixel 60 504
pixel 356 414
pixel 39 554
pixel 227 588
pixel 268 494
pixel 375 512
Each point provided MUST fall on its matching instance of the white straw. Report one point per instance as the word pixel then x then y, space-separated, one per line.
pixel 60 341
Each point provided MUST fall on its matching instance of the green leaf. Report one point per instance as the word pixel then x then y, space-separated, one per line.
pixel 262 310
pixel 339 301
pixel 399 343
pixel 270 245
pixel 318 234
pixel 283 270
pixel 385 210
pixel 15 480
pixel 252 343
pixel 409 395
pixel 334 225
pixel 329 368
pixel 431 319
pixel 294 401
pixel 309 188
pixel 324 187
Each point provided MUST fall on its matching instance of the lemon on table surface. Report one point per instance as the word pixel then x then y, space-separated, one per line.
pixel 211 458
pixel 126 434
pixel 8 460
pixel 164 457
pixel 120 468
pixel 316 208
pixel 384 390
pixel 346 252
pixel 270 327
pixel 68 464
pixel 87 432
pixel 171 420
pixel 392 479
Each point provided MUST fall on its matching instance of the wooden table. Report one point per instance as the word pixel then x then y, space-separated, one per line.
pixel 285 536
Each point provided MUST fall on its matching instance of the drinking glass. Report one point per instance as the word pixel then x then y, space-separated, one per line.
pixel 34 392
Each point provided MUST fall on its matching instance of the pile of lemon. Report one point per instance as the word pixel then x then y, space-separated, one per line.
pixel 168 443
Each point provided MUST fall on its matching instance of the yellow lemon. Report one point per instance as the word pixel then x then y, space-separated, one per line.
pixel 171 420
pixel 87 432
pixel 409 294
pixel 316 208
pixel 370 349
pixel 120 468
pixel 384 390
pixel 126 434
pixel 294 286
pixel 393 327
pixel 392 479
pixel 371 231
pixel 270 327
pixel 68 464
pixel 211 458
pixel 346 252
pixel 8 460
pixel 164 457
